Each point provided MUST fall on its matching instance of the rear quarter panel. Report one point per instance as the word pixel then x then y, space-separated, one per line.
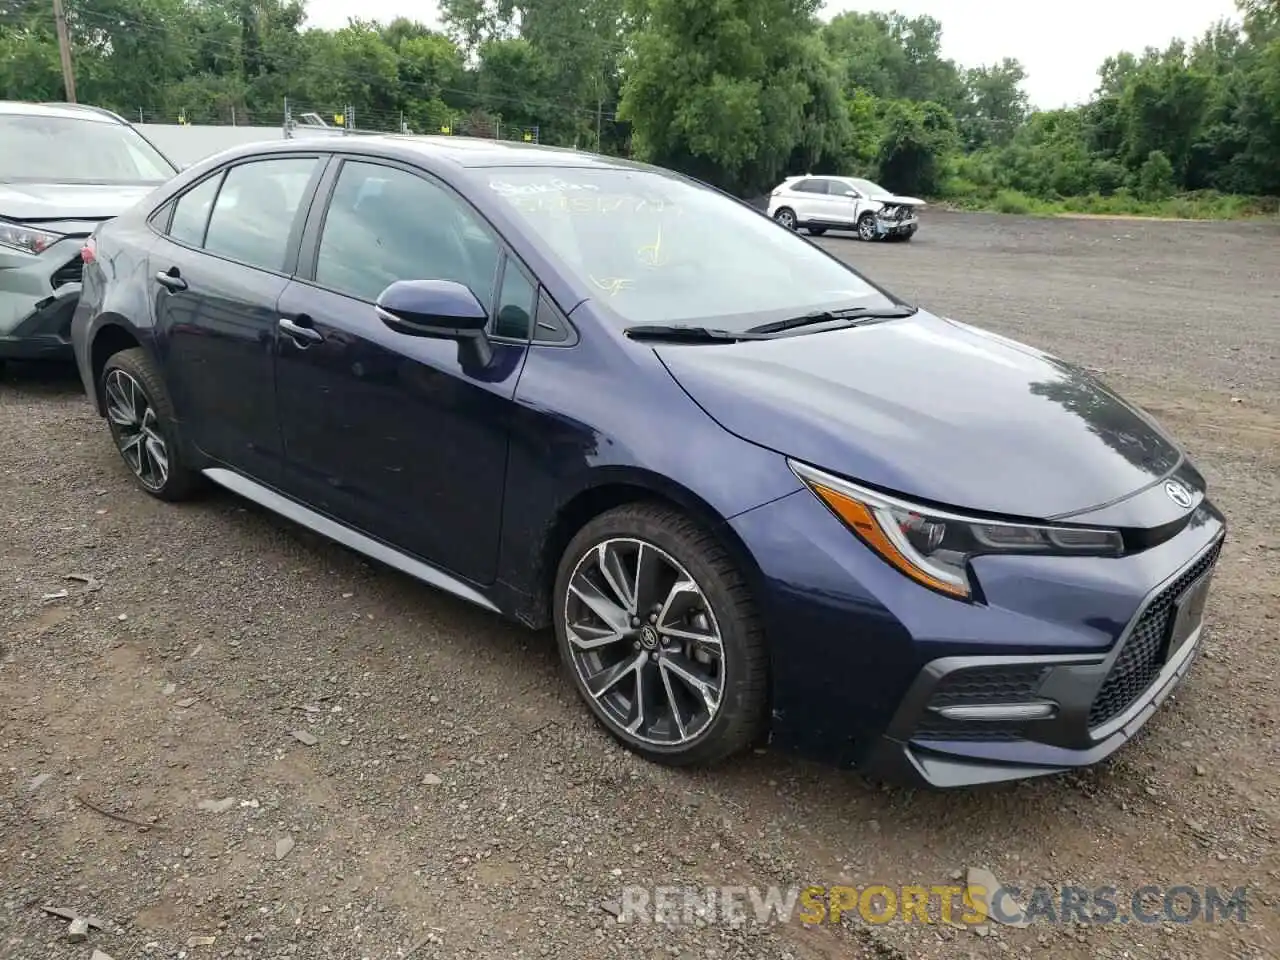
pixel 115 293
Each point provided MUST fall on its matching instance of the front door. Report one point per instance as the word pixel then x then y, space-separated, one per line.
pixel 390 433
pixel 216 277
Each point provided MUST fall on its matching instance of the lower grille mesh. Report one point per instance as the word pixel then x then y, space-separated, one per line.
pixel 1143 654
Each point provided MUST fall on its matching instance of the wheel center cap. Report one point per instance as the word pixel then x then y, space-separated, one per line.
pixel 649 638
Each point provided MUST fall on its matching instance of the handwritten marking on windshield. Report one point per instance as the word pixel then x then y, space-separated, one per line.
pixel 652 254
pixel 612 285
pixel 553 186
pixel 559 203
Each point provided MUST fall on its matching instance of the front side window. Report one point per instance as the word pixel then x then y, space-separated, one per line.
pixel 656 248
pixel 52 149
pixel 254 213
pixel 384 224
pixel 515 303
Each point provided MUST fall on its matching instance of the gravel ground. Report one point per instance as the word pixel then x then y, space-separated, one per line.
pixel 451 798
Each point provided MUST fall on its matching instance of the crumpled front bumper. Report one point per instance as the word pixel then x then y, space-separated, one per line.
pixel 896 228
pixel 45 332
pixel 38 297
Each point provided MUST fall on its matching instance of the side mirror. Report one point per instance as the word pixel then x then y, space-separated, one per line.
pixel 441 310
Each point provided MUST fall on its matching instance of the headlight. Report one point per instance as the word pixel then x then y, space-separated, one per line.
pixel 25 238
pixel 934 547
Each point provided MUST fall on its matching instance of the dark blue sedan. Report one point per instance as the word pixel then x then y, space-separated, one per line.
pixel 756 496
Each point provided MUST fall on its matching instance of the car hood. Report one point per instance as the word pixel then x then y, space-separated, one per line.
pixel 932 409
pixel 49 202
pixel 890 198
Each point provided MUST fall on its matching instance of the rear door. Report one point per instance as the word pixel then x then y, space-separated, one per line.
pixel 393 434
pixel 228 247
pixel 810 200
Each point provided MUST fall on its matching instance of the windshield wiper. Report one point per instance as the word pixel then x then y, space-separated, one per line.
pixel 852 315
pixel 689 334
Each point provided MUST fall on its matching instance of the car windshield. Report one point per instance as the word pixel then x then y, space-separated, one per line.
pixel 870 189
pixel 658 249
pixel 70 150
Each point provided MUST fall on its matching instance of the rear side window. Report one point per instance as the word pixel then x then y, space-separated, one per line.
pixel 811 186
pixel 192 213
pixel 254 213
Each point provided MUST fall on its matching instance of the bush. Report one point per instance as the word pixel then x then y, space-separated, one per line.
pixel 1155 178
pixel 1012 201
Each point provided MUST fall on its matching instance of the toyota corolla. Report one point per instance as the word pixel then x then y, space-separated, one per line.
pixel 758 497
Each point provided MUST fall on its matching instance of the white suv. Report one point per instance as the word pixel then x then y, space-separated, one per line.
pixel 820 204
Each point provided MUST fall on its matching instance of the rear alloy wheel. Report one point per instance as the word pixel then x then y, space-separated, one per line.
pixel 867 227
pixel 142 425
pixel 787 217
pixel 659 633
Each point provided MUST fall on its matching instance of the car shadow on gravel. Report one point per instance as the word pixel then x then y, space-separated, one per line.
pixel 36 379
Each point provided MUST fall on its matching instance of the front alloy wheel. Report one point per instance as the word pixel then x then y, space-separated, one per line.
pixel 644 642
pixel 136 430
pixel 867 227
pixel 660 636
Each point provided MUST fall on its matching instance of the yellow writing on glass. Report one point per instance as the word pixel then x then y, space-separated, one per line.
pixel 604 206
pixel 652 254
pixel 612 285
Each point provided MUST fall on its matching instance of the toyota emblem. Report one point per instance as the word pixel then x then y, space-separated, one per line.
pixel 1178 493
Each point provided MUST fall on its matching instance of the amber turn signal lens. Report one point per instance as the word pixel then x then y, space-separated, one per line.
pixel 863 521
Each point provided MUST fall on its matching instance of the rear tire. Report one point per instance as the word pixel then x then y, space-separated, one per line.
pixel 652 614
pixel 143 426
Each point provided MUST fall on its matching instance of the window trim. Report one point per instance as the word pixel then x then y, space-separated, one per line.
pixel 294 239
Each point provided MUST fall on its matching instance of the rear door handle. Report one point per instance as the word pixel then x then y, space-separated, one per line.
pixel 171 279
pixel 299 332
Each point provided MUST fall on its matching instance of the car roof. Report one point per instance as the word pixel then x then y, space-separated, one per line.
pixel 69 111
pixel 456 151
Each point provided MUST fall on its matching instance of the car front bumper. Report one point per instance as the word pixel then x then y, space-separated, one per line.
pixel 38 296
pixel 1059 667
pixel 1097 703
pixel 897 228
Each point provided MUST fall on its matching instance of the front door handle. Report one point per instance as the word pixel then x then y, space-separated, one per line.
pixel 299 332
pixel 171 279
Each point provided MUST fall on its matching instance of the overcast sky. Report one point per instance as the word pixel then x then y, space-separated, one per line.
pixel 1061 47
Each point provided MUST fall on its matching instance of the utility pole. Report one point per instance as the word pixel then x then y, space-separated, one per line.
pixel 64 48
pixel 599 112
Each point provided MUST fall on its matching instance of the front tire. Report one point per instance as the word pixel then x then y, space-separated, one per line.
pixel 143 426
pixel 867 227
pixel 659 633
pixel 786 217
